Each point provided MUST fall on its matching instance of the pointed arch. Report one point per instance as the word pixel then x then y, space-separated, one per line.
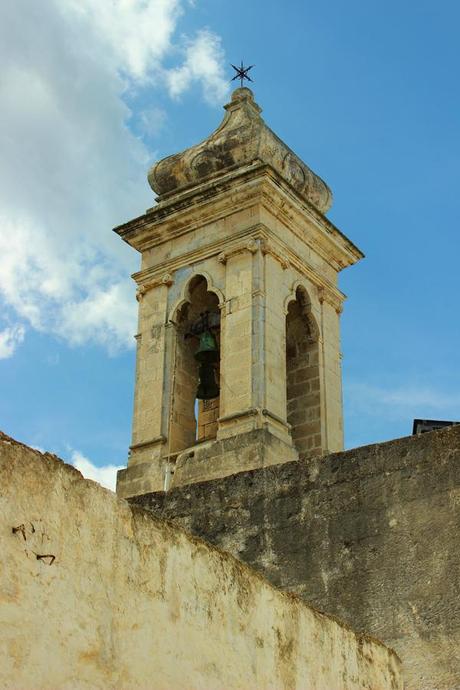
pixel 186 289
pixel 300 293
pixel 302 372
pixel 193 420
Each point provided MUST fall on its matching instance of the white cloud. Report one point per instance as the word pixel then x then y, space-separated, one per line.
pixel 105 475
pixel 401 402
pixel 10 338
pixel 203 62
pixel 105 316
pixel 152 120
pixel 70 168
pixel 136 33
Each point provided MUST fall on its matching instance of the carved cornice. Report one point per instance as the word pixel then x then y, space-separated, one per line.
pixel 330 298
pixel 269 249
pixel 304 223
pixel 189 211
pixel 251 246
pixel 232 245
pixel 288 259
pixel 260 237
pixel 214 201
pixel 166 279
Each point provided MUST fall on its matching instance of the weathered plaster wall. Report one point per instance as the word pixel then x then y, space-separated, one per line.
pixel 371 535
pixel 95 594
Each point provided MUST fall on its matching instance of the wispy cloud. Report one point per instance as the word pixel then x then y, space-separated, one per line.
pixel 105 474
pixel 152 120
pixel 10 339
pixel 377 412
pixel 401 400
pixel 70 167
pixel 203 63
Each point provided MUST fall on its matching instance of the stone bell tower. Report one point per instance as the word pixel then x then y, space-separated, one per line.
pixel 238 248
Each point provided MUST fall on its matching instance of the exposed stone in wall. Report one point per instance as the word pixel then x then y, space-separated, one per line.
pixel 96 595
pixel 371 535
pixel 303 384
pixel 208 414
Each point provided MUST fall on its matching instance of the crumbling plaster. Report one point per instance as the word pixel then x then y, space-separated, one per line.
pixel 95 594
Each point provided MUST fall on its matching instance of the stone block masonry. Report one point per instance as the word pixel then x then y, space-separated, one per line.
pixel 238 233
pixel 303 383
pixel 98 595
pixel 371 535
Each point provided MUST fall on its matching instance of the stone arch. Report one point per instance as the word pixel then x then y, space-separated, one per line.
pixel 303 373
pixel 191 422
pixel 185 292
pixel 299 291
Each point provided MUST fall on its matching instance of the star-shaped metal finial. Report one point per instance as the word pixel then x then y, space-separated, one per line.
pixel 242 73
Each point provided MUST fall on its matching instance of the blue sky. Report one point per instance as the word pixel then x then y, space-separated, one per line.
pixel 92 93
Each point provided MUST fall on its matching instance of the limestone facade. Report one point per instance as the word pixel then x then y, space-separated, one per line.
pixel 239 232
pixel 98 595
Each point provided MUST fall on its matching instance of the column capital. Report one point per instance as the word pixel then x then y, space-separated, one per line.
pixel 269 249
pixel 325 295
pixel 251 246
pixel 165 279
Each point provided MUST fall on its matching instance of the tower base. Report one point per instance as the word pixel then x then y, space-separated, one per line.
pixel 205 461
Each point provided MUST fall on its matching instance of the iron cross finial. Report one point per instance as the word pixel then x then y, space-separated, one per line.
pixel 242 73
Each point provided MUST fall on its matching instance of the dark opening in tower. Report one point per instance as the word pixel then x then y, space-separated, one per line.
pixel 198 331
pixel 303 376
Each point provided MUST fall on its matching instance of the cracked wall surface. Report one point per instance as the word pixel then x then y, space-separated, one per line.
pixel 96 594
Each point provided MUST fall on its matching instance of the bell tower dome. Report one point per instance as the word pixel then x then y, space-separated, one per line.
pixel 238 349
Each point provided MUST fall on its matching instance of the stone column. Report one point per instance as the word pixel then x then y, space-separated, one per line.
pixel 331 376
pixel 274 335
pixel 151 376
pixel 253 346
pixel 237 410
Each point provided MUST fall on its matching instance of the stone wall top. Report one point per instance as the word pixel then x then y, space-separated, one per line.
pixel 97 594
pixel 370 535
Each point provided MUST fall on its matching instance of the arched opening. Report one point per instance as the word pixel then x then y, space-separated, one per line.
pixel 194 420
pixel 302 376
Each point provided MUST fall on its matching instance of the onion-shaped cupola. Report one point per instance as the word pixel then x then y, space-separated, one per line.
pixel 242 141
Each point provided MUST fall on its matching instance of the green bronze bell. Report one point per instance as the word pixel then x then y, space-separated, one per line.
pixel 207 352
pixel 207 355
